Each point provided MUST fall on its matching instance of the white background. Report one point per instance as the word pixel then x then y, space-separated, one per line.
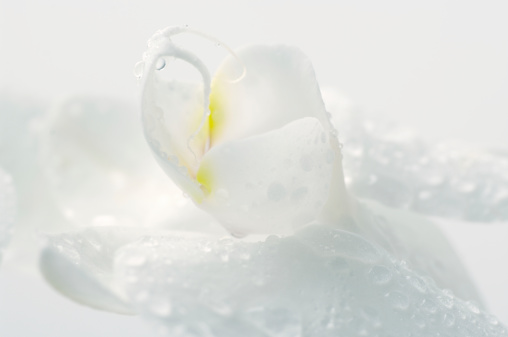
pixel 438 66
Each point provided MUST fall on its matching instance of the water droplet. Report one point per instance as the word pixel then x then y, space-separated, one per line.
pixel 380 275
pixel 417 283
pixel 135 260
pixel 306 163
pixel 473 307
pixel 160 64
pixel 160 308
pixel 276 192
pixel 238 235
pixel 224 257
pixel 299 194
pixel 446 301
pixel 429 306
pixel 398 300
pixel 448 319
pixel 138 69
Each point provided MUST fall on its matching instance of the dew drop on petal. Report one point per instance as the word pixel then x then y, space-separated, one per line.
pixel 138 69
pixel 448 319
pixel 160 64
pixel 276 192
pixel 380 275
pixel 398 300
pixel 306 163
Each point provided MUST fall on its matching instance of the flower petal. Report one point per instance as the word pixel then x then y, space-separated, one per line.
pixel 395 166
pixel 279 86
pixel 7 209
pixel 173 112
pixel 269 183
pixel 321 282
pixel 79 266
pixel 417 240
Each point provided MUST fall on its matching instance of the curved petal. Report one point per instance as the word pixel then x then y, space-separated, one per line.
pixel 321 282
pixel 7 209
pixel 173 111
pixel 418 241
pixel 269 183
pixel 385 162
pixel 279 86
pixel 79 266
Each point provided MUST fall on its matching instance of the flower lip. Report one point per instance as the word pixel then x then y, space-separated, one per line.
pixel 193 142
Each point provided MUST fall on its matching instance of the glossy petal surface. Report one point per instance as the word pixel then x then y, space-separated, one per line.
pixel 269 183
pixel 400 168
pixel 79 266
pixel 322 282
pixel 279 87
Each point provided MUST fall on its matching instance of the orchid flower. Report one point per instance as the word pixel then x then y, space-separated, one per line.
pixel 254 148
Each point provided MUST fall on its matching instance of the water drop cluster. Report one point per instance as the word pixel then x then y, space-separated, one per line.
pixel 391 165
pixel 321 282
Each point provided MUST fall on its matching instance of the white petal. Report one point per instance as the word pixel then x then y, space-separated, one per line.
pixel 269 183
pixel 418 241
pixel 279 87
pixel 395 166
pixel 7 210
pixel 321 282
pixel 79 266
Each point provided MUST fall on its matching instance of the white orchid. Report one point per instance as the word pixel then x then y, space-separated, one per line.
pixel 254 148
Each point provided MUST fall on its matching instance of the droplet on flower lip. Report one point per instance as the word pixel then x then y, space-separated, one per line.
pixel 270 115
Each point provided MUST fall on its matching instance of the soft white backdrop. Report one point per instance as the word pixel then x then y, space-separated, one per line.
pixel 439 66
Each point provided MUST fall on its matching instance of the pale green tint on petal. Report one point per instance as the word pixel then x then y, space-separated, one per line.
pixel 321 282
pixel 269 183
pixel 79 266
pixel 279 87
pixel 7 210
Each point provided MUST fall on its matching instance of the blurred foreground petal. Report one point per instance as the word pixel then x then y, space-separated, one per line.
pixel 79 266
pixel 321 282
